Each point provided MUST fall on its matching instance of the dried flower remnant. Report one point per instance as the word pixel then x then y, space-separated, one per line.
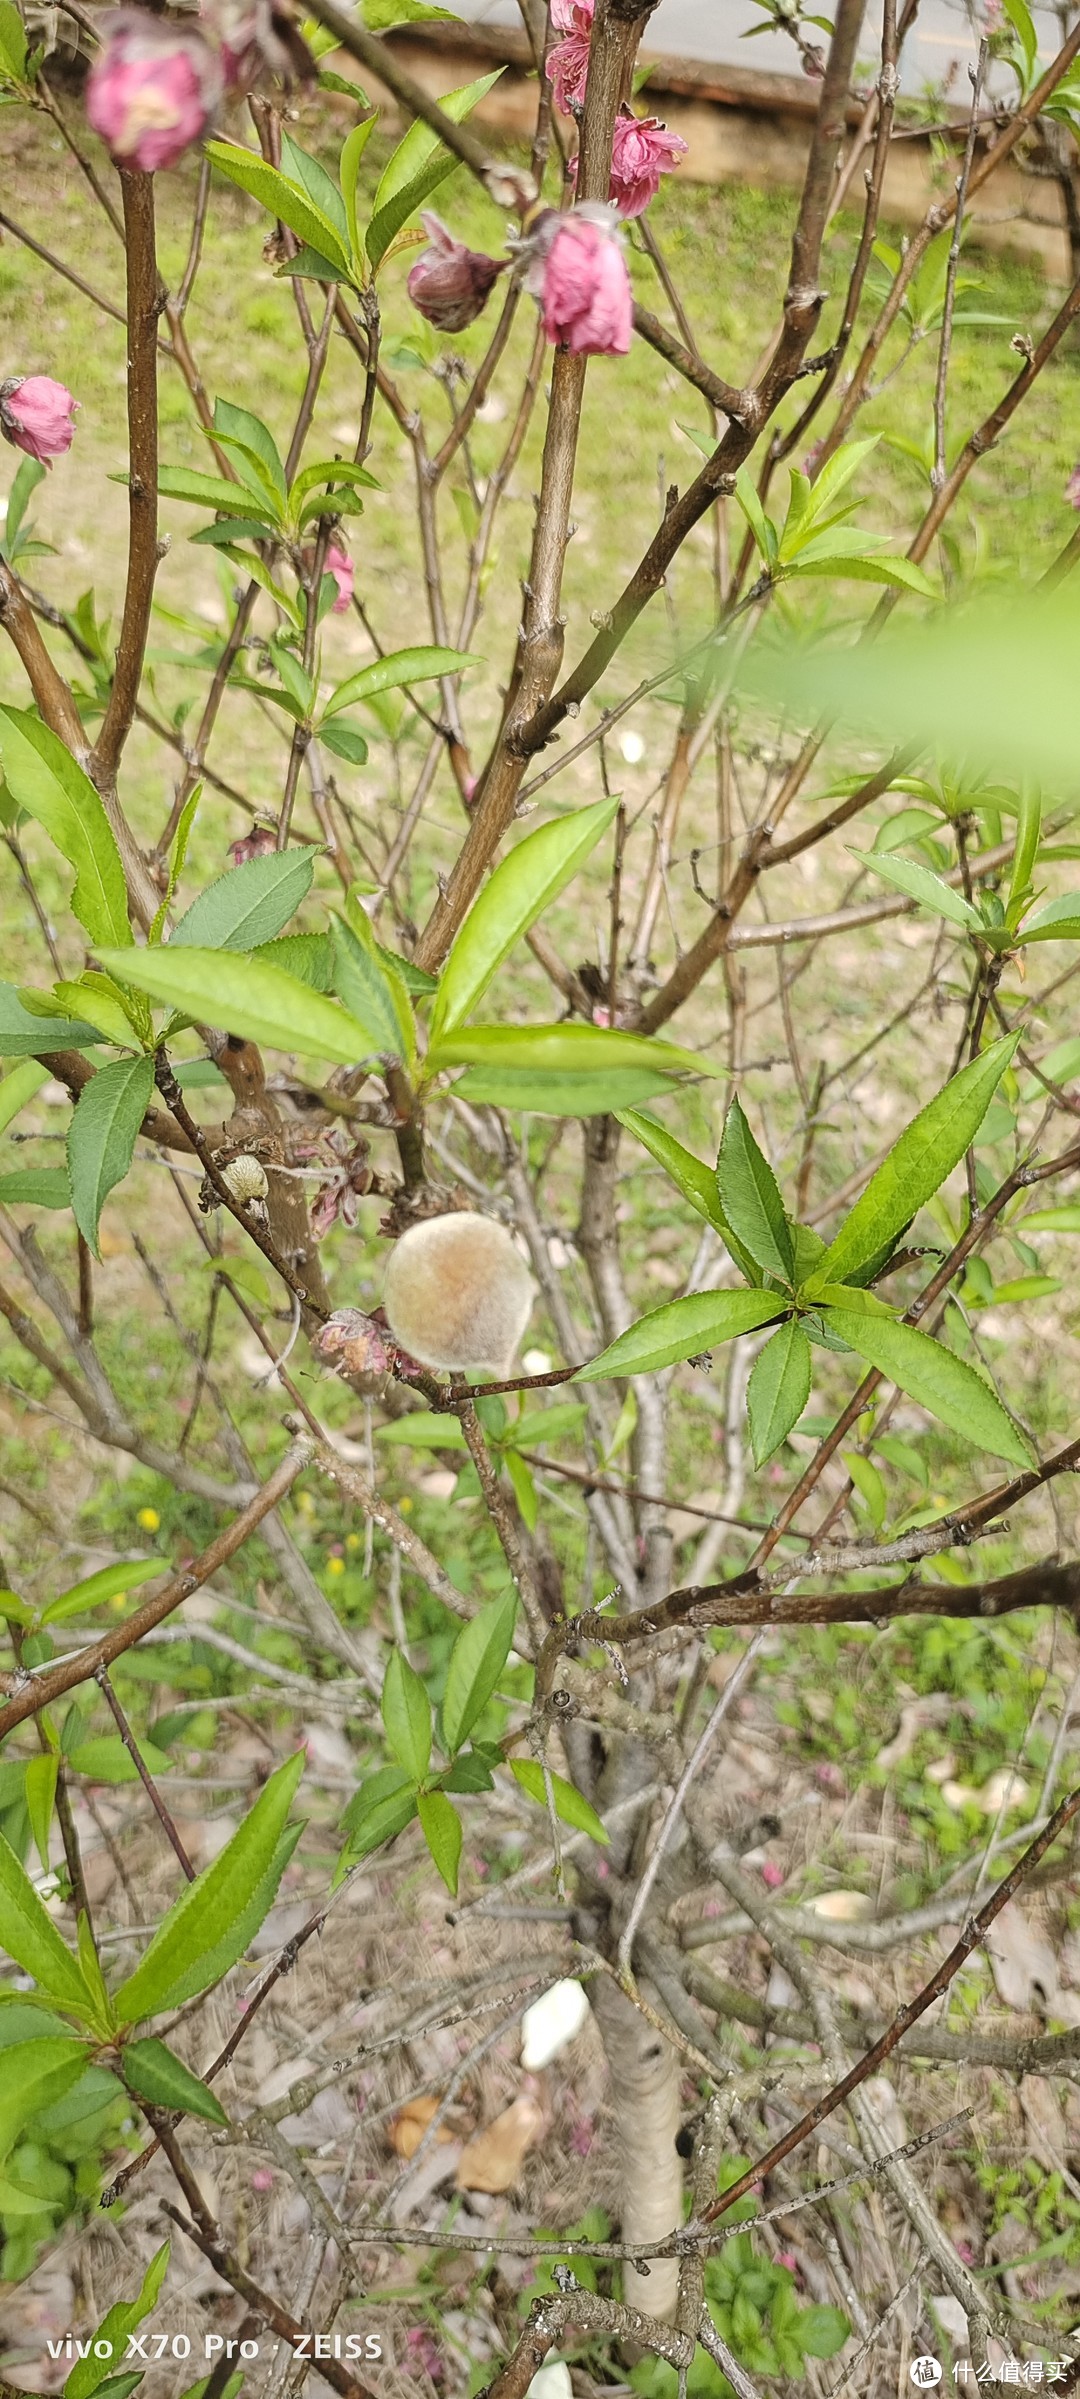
pixel 450 283
pixel 153 90
pixel 36 415
pixel 261 842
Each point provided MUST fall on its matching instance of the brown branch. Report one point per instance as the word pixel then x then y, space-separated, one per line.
pixel 732 401
pixel 287 2327
pixel 973 1933
pixel 41 1690
pixel 143 1771
pixel 53 695
pixel 144 302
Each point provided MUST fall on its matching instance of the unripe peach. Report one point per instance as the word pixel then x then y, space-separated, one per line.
pixel 457 1295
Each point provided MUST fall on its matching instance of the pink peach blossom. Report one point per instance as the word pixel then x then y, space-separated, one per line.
pixel 153 89
pixel 338 564
pixel 450 283
pixel 579 276
pixel 642 151
pixel 36 416
pixel 568 62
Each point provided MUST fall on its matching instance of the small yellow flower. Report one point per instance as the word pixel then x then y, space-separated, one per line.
pixel 305 1505
pixel 406 1505
pixel 149 1519
pixel 335 1566
pixel 352 1540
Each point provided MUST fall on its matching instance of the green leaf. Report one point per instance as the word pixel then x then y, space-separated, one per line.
pixel 382 1807
pixel 109 1581
pixel 778 1389
pixel 1065 1219
pixel 42 777
pixel 406 1713
pixel 901 573
pixel 562 1049
pixel 922 885
pixel 569 1804
pixel 367 986
pixel 106 1759
pixel 761 526
pixel 153 2073
pixel 421 1430
pixel 209 1927
pixel 281 198
pixel 352 151
pixel 36 1187
pixel 310 176
pixel 691 1176
pixel 102 1135
pixel 308 956
pixel 515 895
pixel 39 2072
pixel 441 1828
pixel 91 2373
pixel 395 672
pixel 22 1033
pixel 212 491
pixel 821 2331
pixel 750 1197
pixel 343 741
pixel 247 996
pixel 40 1788
pixel 930 1374
pixel 1059 920
pixel 560 1095
pixel 13 64
pixel 683 1328
pixel 18 1087
pixel 29 1936
pixel 238 428
pixel 97 998
pixel 476 1663
pixel 250 904
pixel 417 167
pixel 917 1165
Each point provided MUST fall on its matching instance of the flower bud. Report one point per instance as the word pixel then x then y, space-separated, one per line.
pixel 579 275
pixel 153 90
pixel 450 283
pixel 457 1295
pixel 36 415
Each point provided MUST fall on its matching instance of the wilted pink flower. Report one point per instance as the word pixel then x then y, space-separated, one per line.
pixel 254 39
pixel 153 90
pixel 1072 488
pixel 568 62
pixel 259 843
pixel 813 60
pixel 36 415
pixel 450 283
pixel 579 276
pixel 642 151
